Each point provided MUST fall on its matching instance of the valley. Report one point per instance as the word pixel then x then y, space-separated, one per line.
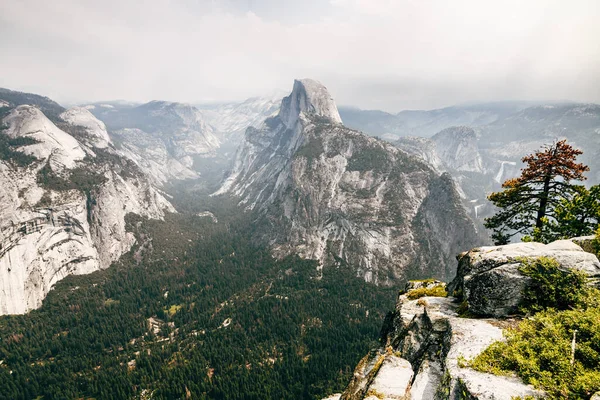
pixel 299 200
pixel 155 325
pixel 161 250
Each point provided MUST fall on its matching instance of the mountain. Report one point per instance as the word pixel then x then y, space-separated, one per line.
pixel 426 123
pixel 338 196
pixel 457 148
pixel 193 279
pixel 66 192
pixel 232 119
pixel 525 131
pixel 162 138
pixel 477 172
pixel 10 98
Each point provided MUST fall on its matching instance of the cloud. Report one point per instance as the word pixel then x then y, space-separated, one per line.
pixel 370 53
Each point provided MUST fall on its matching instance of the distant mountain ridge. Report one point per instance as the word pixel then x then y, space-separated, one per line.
pixel 13 98
pixel 232 119
pixel 426 123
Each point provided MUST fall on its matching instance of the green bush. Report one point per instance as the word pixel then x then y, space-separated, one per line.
pixel 436 291
pixel 596 242
pixel 551 286
pixel 539 351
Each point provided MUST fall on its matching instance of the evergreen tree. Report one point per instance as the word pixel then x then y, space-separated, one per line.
pixel 529 202
pixel 578 216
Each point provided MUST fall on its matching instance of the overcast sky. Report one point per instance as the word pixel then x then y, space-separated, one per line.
pixel 384 54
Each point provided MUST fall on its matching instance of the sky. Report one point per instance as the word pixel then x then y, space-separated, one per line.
pixel 373 54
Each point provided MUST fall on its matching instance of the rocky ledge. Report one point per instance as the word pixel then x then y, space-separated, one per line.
pixel 426 341
pixel 489 281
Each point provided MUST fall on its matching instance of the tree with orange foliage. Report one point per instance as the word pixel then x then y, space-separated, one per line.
pixel 528 202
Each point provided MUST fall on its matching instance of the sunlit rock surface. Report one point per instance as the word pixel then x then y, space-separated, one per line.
pixel 424 348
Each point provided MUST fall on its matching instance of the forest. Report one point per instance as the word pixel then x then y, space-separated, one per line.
pixel 195 310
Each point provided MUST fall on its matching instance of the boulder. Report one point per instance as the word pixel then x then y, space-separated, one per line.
pixel 488 278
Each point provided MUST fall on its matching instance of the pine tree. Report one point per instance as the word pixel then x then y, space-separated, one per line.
pixel 528 202
pixel 578 216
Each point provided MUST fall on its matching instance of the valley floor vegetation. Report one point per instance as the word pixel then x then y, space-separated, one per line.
pixel 195 310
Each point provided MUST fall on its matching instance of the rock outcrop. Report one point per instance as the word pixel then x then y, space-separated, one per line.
pixel 94 128
pixel 338 196
pixel 422 357
pixel 63 211
pixel 489 281
pixel 47 141
pixel 426 341
pixel 457 148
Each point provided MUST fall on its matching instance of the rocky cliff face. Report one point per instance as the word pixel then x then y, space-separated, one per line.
pixel 162 138
pixel 425 343
pixel 152 156
pixel 457 148
pixel 338 196
pixel 420 358
pixel 64 195
pixel 231 120
pixel 476 171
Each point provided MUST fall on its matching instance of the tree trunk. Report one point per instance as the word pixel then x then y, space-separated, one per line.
pixel 543 202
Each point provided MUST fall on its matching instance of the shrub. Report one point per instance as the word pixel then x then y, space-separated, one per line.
pixel 539 351
pixel 596 242
pixel 551 286
pixel 435 291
